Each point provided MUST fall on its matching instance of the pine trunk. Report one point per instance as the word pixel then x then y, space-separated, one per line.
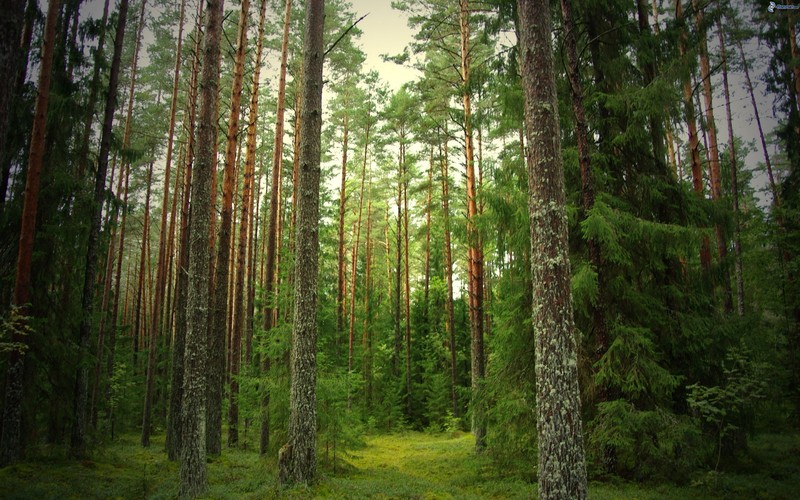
pixel 10 442
pixel 737 226
pixel 272 230
pixel 562 470
pixel 407 291
pixel 354 263
pixel 216 344
pixel 694 140
pixel 297 460
pixel 193 431
pixel 475 273
pixel 340 289
pixel 448 271
pixel 161 277
pixel 244 232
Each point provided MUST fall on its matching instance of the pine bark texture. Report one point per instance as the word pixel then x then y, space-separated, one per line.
pixel 561 468
pixel 297 461
pixel 10 443
pixel 193 432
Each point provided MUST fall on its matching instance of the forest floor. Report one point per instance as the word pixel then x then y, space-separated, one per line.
pixel 407 465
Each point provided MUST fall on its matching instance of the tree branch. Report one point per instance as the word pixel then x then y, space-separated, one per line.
pixel 343 35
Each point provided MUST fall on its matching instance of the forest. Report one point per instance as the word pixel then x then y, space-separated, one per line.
pixel 239 259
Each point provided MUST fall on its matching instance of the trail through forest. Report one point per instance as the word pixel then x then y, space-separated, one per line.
pixel 403 465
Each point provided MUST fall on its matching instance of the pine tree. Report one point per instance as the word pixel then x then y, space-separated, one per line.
pixel 562 469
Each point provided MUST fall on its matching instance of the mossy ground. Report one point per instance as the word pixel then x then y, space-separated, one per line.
pixel 407 465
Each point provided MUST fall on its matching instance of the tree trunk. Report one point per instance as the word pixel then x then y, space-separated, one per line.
pixel 475 252
pixel 272 230
pixel 407 291
pixel 297 460
pixel 216 343
pixel 10 443
pixel 193 432
pixel 354 264
pixel 694 141
pixel 776 199
pixel 448 271
pixel 737 226
pixel 714 169
pixel 562 470
pixel 599 324
pixel 340 289
pixel 78 438
pixel 366 338
pixel 244 231
pixel 161 278
pixel 174 423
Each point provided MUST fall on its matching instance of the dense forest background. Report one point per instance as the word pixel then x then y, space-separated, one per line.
pixel 684 238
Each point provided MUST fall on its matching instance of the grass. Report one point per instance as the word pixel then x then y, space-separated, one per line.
pixel 407 465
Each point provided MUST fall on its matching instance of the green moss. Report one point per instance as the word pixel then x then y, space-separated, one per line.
pixel 406 465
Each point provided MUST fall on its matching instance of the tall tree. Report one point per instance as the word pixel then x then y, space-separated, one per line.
pixel 272 229
pixel 216 341
pixel 193 432
pixel 161 265
pixel 297 460
pixel 475 251
pixel 562 469
pixel 240 318
pixel 78 440
pixel 10 443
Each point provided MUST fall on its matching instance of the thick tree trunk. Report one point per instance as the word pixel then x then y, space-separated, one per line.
pixel 297 460
pixel 475 252
pixel 10 442
pixel 216 344
pixel 174 424
pixel 78 438
pixel 244 232
pixel 272 230
pixel 193 431
pixel 562 469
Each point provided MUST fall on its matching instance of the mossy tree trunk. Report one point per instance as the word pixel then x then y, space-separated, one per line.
pixel 562 468
pixel 297 461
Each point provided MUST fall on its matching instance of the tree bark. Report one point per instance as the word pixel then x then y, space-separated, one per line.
pixel 340 289
pixel 244 232
pixel 216 344
pixel 562 470
pixel 193 432
pixel 714 168
pixel 475 252
pixel 297 460
pixel 448 271
pixel 10 442
pixel 272 230
pixel 694 141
